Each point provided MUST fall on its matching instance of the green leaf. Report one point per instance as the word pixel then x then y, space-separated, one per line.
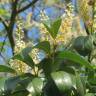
pixel 48 28
pixel 49 66
pixel 89 94
pixel 27 59
pixel 2 83
pixel 83 45
pixel 8 69
pixel 75 58
pixel 31 89
pixel 13 83
pixel 38 85
pixel 79 43
pixel 3 12
pixel 20 93
pixel 91 77
pixel 45 46
pixel 88 44
pixel 24 56
pixel 62 80
pixel 50 89
pixel 79 85
pixel 35 87
pixel 55 27
pixel 53 30
pixel 46 65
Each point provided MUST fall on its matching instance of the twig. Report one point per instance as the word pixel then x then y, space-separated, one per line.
pixel 3 58
pixel 3 44
pixel 3 48
pixel 59 6
pixel 27 6
pixel 4 22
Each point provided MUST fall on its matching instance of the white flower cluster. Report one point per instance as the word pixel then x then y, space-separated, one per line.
pixel 19 43
pixel 19 66
pixel 43 16
pixel 34 54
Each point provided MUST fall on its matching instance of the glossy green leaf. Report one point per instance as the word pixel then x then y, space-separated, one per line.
pixel 38 85
pixel 35 87
pixel 4 68
pixel 45 46
pixel 13 83
pixel 55 27
pixel 62 80
pixel 31 89
pixel 2 83
pixel 75 58
pixel 79 85
pixel 53 30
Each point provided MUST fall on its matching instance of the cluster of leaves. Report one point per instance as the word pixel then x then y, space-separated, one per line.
pixel 67 72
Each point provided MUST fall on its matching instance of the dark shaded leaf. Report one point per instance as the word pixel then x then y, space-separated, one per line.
pixel 46 65
pixel 75 58
pixel 45 46
pixel 13 83
pixel 83 45
pixel 8 69
pixel 50 89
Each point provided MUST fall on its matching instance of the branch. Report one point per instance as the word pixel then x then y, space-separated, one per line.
pixel 3 48
pixel 14 13
pixel 11 24
pixel 27 6
pixel 59 6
